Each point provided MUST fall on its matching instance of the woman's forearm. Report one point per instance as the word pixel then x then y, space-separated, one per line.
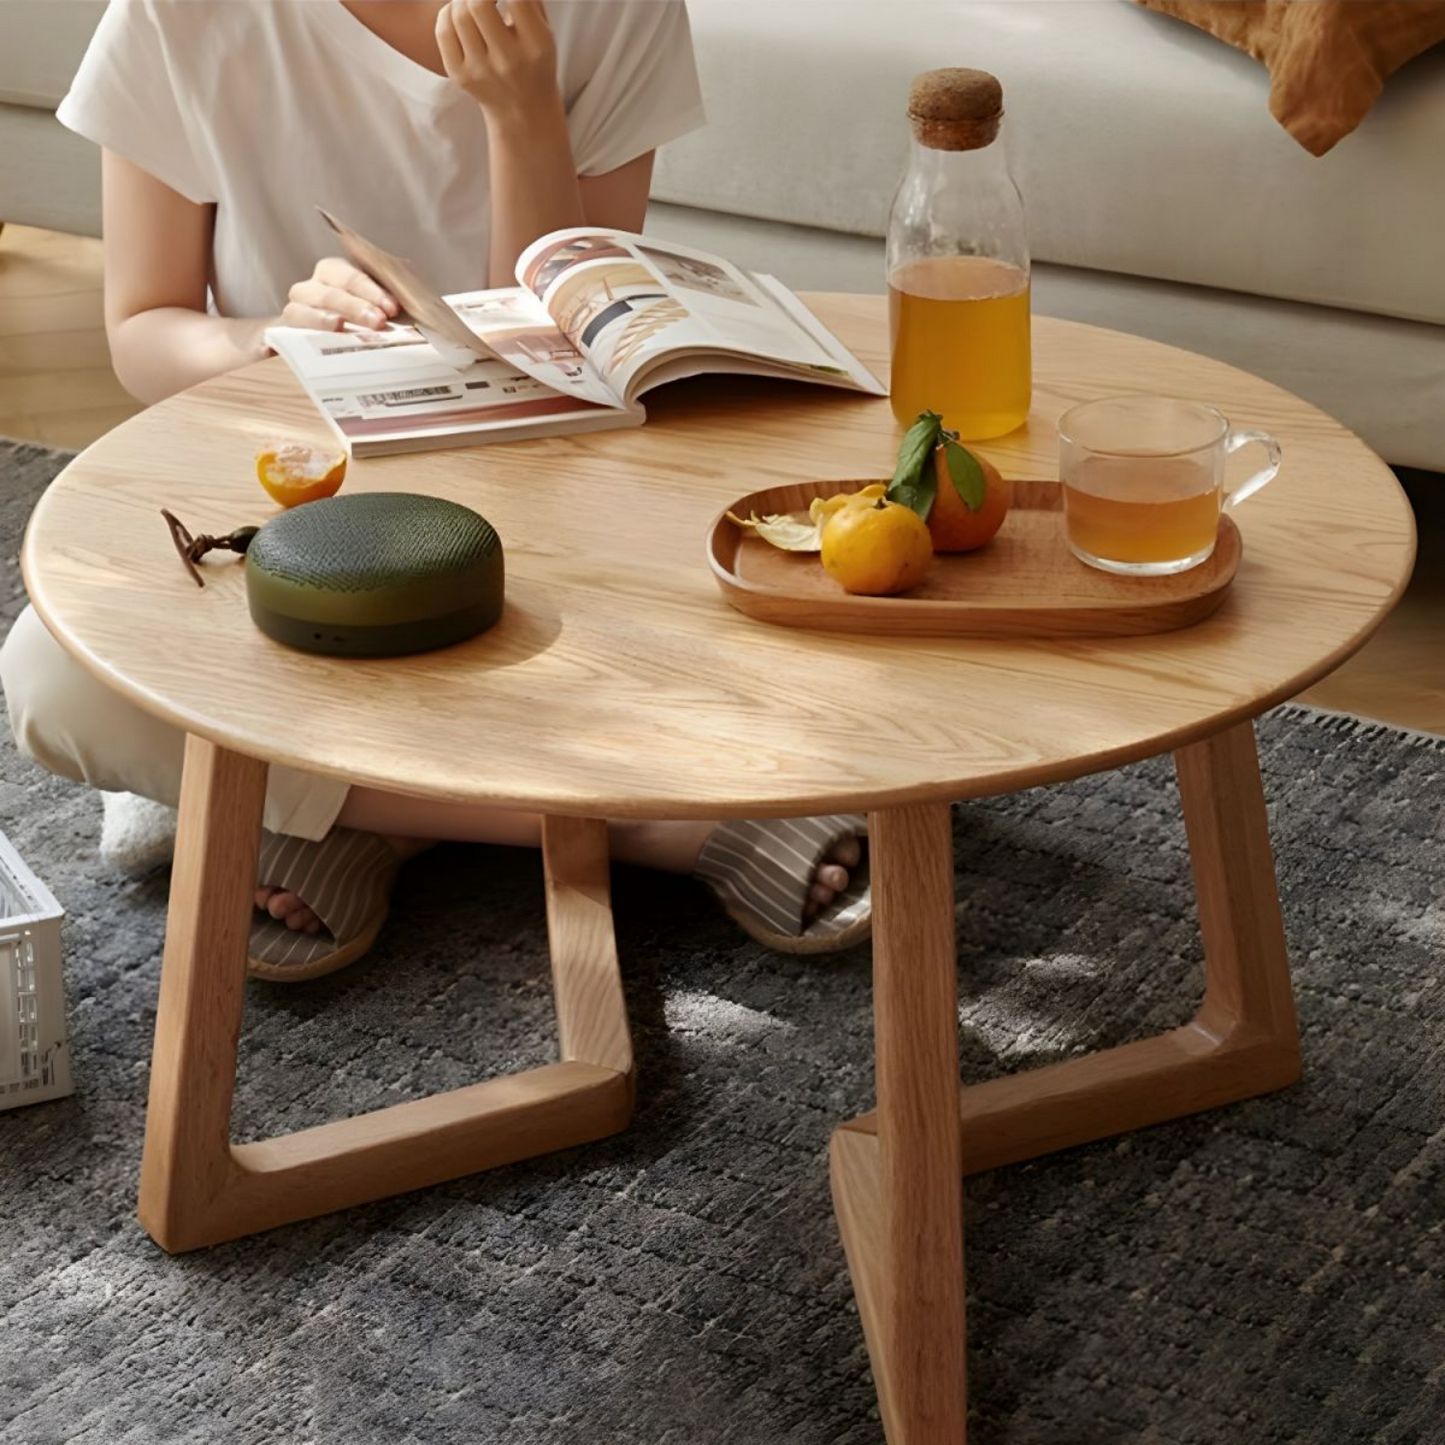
pixel 534 186
pixel 159 352
pixel 508 65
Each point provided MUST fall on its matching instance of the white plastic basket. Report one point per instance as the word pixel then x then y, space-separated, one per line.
pixel 34 1038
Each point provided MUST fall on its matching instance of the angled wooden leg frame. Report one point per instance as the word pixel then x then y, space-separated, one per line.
pixel 897 1171
pixel 198 1188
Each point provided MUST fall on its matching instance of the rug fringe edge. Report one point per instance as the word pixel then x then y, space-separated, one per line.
pixel 1357 726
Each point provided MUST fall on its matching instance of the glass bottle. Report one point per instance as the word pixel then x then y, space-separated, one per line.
pixel 958 264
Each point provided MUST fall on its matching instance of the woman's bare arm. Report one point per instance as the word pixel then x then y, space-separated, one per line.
pixel 157 260
pixel 618 200
pixel 157 256
pixel 535 190
pixel 510 70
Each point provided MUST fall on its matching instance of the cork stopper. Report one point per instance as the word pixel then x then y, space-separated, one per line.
pixel 955 109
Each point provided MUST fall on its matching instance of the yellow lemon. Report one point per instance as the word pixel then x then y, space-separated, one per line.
pixel 876 548
pixel 292 473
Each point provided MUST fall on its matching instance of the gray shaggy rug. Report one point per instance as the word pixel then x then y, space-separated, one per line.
pixel 1267 1272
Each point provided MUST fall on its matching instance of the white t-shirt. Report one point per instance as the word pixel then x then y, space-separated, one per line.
pixel 270 108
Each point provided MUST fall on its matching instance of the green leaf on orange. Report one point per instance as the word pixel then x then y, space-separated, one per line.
pixel 917 492
pixel 968 478
pixel 915 482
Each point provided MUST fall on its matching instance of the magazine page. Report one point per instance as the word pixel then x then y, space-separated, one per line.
pixel 515 329
pixel 420 303
pixel 505 322
pixel 627 303
pixel 391 387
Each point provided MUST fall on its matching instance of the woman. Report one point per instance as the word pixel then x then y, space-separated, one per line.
pixel 453 133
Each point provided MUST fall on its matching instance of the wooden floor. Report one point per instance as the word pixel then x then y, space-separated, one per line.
pixel 56 387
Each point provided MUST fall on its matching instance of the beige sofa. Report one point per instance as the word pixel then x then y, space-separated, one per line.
pixel 48 177
pixel 1162 197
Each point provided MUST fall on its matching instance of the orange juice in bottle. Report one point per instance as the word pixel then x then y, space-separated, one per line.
pixel 958 264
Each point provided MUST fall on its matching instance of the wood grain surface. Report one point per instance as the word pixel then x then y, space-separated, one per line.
pixel 920 1160
pixel 1243 1040
pixel 187 1162
pixel 858 1207
pixel 197 1188
pixel 1025 583
pixel 591 1014
pixel 620 683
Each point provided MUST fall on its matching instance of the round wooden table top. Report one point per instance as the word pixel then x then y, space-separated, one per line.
pixel 619 683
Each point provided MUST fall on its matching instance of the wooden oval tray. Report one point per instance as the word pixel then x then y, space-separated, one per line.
pixel 1025 583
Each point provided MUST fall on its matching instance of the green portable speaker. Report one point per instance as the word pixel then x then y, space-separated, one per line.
pixel 375 574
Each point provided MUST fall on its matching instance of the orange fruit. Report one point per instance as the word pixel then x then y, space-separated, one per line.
pixel 876 549
pixel 950 523
pixel 292 473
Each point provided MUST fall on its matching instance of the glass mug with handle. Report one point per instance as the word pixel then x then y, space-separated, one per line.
pixel 1143 480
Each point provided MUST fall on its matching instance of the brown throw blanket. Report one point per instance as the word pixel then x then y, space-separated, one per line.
pixel 1327 59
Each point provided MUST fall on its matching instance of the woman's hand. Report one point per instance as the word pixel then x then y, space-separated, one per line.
pixel 336 293
pixel 509 69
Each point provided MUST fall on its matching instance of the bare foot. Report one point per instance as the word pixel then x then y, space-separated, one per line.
pixel 288 907
pixel 674 848
pixel 832 876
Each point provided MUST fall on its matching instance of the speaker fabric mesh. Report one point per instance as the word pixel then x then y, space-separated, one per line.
pixel 375 574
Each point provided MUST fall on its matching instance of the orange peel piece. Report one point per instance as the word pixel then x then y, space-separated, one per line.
pixel 787 533
pixel 293 473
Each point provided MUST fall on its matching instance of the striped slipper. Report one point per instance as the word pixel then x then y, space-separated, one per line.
pixel 761 870
pixel 345 880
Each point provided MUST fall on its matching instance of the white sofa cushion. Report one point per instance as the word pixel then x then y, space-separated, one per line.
pixel 1141 146
pixel 41 42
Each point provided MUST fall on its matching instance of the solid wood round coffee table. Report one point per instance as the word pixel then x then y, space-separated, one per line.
pixel 619 684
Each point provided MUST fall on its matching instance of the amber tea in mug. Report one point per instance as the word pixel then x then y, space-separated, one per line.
pixel 1143 480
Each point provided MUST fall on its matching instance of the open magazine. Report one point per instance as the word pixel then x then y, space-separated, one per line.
pixel 597 319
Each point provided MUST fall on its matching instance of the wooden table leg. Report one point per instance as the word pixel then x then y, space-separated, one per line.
pixel 1242 1042
pixel 186 1164
pixel 198 1188
pixel 899 1195
pixel 901 1227
pixel 1248 997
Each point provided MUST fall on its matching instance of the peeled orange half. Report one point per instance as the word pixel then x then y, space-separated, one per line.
pixel 292 473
